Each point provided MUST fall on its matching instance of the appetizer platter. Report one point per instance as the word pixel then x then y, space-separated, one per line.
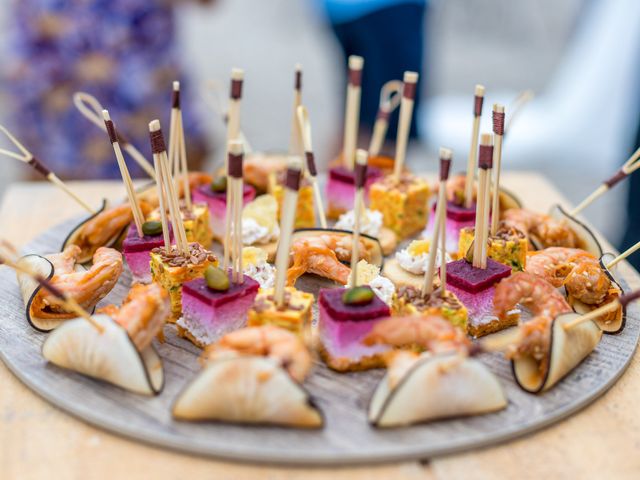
pixel 391 318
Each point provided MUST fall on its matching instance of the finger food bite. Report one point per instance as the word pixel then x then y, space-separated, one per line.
pixel 346 318
pixel 371 224
pixel 408 267
pixel 422 388
pixel 322 252
pixel 256 374
pixel 87 287
pixel 121 352
pixel 402 197
pixel 215 305
pixel 507 245
pixel 284 306
pixel 260 227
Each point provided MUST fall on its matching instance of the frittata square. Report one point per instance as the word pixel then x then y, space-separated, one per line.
pixel 403 203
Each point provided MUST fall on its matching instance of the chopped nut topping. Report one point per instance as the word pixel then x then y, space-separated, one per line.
pixel 435 300
pixel 175 258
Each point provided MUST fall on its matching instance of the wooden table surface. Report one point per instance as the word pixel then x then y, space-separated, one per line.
pixel 39 441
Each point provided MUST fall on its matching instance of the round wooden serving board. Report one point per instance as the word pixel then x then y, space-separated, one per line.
pixel 346 438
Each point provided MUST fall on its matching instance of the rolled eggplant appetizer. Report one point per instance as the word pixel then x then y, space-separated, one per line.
pixel 538 371
pixel 556 229
pixel 586 239
pixel 586 278
pixel 87 287
pixel 422 388
pixel 252 376
pixel 587 281
pixel 106 228
pixel 116 347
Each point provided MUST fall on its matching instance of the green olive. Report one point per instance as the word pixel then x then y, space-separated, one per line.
pixel 358 296
pixel 219 184
pixel 152 227
pixel 216 279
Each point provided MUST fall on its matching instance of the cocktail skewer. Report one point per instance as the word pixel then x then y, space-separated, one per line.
pixel 138 216
pixel 390 96
pixel 473 149
pixel 93 113
pixel 410 81
pixel 27 157
pixel 498 131
pixel 295 143
pixel 437 240
pixel 291 187
pixel 359 179
pixel 305 130
pixel 352 110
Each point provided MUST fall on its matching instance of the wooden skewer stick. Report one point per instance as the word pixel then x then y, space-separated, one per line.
pixel 162 193
pixel 27 157
pixel 305 131
pixel 516 108
pixel 233 117
pixel 138 216
pixel 234 193
pixel 181 166
pixel 213 97
pixel 441 206
pixel 486 203
pixel 92 112
pixel 174 205
pixel 498 131
pixel 473 150
pixel 410 84
pixel 630 166
pixel 352 110
pixel 443 242
pixel 623 255
pixel 160 157
pixel 295 144
pixel 291 187
pixel 174 160
pixel 360 176
pixel 389 101
pixel 67 302
pixel 485 160
pixel 609 307
pixel 229 209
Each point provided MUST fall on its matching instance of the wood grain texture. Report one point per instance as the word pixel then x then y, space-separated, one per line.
pixel 31 428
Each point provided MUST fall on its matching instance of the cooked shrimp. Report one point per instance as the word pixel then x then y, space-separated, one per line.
pixel 536 294
pixel 549 231
pixel 65 261
pixel 269 341
pixel 545 303
pixel 143 313
pixel 322 255
pixel 101 228
pixel 555 263
pixel 432 333
pixel 588 282
pixel 86 287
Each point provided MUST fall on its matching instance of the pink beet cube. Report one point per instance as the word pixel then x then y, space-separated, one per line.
pixel 217 202
pixel 341 189
pixel 344 327
pixel 463 275
pixel 208 314
pixel 136 252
